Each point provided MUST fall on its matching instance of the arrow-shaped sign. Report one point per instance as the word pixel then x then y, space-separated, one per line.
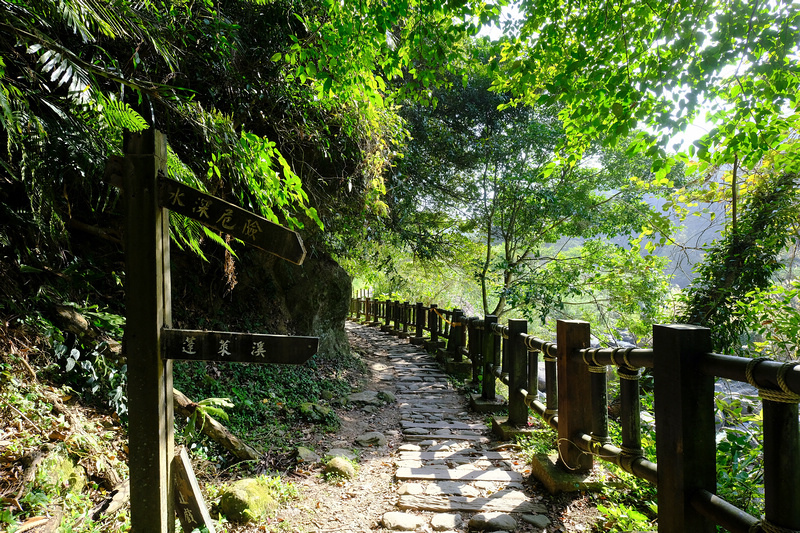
pixel 228 218
pixel 201 345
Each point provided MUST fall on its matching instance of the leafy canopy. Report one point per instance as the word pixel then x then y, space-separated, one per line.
pixel 656 66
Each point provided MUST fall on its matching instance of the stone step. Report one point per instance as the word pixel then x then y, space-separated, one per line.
pixel 429 456
pixel 458 474
pixel 503 504
pixel 470 438
pixel 442 425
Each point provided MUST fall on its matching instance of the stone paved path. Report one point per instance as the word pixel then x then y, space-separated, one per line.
pixel 451 474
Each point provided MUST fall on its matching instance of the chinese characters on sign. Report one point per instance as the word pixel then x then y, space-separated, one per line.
pixel 228 218
pixel 201 345
pixel 201 209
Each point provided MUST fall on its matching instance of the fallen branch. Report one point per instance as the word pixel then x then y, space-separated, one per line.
pixel 213 429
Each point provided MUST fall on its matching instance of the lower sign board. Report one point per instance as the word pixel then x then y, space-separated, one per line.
pixel 199 345
pixel 189 504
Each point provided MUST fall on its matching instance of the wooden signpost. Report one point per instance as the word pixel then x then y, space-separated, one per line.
pixel 161 482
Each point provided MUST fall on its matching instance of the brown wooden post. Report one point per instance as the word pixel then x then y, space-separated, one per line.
pixel 396 315
pixel 504 357
pixel 420 321
pixel 475 349
pixel 491 346
pixel 550 382
pixel 599 403
pixel 685 445
pixel 367 310
pixel 574 391
pixel 533 373
pixel 189 503
pixel 148 310
pixel 433 321
pixel 782 464
pixel 630 409
pixel 387 312
pixel 456 335
pixel 518 372
pixel 406 316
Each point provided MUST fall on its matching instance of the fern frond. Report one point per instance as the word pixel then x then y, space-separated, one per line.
pixel 121 114
pixel 62 69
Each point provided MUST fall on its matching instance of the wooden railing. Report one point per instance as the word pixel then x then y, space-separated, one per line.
pixel 576 405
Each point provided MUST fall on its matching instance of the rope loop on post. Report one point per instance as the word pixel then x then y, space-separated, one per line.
pixel 594 366
pixel 546 357
pixel 529 340
pixel 625 370
pixel 628 456
pixel 785 395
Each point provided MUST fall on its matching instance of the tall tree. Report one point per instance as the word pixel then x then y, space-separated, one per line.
pixel 659 67
pixel 488 169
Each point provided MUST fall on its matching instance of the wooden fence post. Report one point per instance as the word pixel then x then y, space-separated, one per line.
pixel 782 464
pixel 491 345
pixel 148 310
pixel 433 325
pixel 420 321
pixel 518 372
pixel 474 348
pixel 574 391
pixel 599 403
pixel 684 405
pixel 456 335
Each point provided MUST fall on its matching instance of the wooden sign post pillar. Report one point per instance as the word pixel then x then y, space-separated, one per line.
pixel 147 297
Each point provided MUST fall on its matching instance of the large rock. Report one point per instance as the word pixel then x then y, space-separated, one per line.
pixel 247 499
pixel 339 467
pixel 397 521
pixel 305 455
pixel 314 411
pixel 373 438
pixel 536 520
pixel 340 452
pixel 311 299
pixel 58 470
pixel 492 522
pixel 387 396
pixel 446 522
pixel 367 397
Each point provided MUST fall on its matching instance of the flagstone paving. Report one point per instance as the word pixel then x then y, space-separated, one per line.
pixel 451 474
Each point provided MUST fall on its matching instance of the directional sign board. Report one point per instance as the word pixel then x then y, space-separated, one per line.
pixel 228 218
pixel 150 342
pixel 200 345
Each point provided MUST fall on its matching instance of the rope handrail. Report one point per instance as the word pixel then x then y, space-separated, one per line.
pixel 452 324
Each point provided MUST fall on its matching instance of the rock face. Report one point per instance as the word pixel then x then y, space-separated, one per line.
pixel 310 299
pixel 317 297
pixel 247 499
